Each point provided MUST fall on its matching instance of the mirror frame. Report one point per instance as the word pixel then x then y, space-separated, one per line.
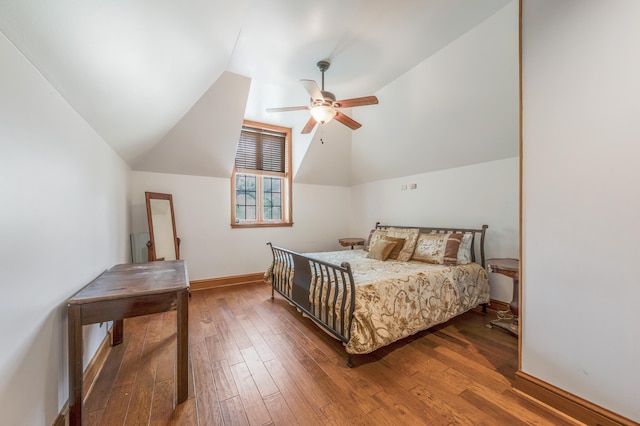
pixel 151 246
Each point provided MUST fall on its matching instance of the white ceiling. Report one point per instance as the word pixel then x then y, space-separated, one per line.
pixel 134 68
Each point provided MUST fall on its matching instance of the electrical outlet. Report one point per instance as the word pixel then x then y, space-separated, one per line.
pixel 413 186
pixel 403 187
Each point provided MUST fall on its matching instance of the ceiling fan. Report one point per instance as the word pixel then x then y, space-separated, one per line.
pixel 324 106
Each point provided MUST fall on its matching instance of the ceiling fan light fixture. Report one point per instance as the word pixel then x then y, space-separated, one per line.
pixel 323 113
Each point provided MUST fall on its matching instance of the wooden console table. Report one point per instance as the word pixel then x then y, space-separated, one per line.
pixel 124 291
pixel 509 268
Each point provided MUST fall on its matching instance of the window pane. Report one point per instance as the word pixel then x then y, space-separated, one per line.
pixel 251 198
pixel 251 182
pixel 276 213
pixel 245 196
pixel 276 185
pixel 251 213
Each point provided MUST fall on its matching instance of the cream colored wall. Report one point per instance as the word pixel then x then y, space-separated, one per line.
pixel 212 249
pixel 464 197
pixel 63 221
pixel 581 207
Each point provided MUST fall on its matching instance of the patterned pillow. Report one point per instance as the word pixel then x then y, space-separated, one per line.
pixel 410 235
pixel 396 250
pixel 464 252
pixel 441 249
pixel 381 249
pixel 375 235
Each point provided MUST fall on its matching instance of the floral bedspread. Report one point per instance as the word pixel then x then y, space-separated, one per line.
pixel 397 299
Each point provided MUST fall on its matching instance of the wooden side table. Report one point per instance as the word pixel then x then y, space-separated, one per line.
pixel 509 268
pixel 346 242
pixel 126 291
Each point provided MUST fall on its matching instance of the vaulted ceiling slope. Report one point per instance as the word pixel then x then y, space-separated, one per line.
pixel 134 69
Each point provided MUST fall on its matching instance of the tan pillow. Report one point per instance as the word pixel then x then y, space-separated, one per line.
pixel 410 236
pixel 374 236
pixel 441 249
pixel 380 249
pixel 396 250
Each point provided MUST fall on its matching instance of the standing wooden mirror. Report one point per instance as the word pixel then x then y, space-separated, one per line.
pixel 164 244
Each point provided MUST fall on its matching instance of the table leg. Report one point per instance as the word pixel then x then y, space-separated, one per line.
pixel 514 301
pixel 182 360
pixel 117 332
pixel 75 364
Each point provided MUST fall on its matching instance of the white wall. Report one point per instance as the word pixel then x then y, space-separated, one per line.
pixel 458 107
pixel 581 209
pixel 63 221
pixel 464 197
pixel 212 249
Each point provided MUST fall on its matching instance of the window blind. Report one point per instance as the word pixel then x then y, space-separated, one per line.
pixel 261 150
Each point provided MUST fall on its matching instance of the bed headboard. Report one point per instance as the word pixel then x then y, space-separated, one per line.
pixel 475 232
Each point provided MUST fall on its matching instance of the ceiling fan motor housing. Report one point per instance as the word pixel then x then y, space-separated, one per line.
pixel 323 65
pixel 329 99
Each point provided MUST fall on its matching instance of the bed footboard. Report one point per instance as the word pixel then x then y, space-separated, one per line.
pixel 322 291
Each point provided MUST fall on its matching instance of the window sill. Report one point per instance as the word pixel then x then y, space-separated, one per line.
pixel 262 225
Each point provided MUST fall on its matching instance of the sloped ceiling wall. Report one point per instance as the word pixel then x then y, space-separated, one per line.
pixel 204 141
pixel 458 107
pixel 328 156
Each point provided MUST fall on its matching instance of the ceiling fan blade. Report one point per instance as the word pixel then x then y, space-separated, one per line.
pixel 309 126
pixel 355 102
pixel 312 88
pixel 295 108
pixel 347 121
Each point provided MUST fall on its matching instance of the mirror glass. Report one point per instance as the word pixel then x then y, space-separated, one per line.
pixel 163 242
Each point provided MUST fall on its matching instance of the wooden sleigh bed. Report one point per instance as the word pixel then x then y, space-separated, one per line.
pixel 368 302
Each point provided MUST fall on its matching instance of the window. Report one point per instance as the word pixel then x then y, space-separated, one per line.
pixel 261 179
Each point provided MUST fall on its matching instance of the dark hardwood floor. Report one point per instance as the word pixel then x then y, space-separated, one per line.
pixel 257 361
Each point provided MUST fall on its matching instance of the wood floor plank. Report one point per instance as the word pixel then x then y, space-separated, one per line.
pixel 300 406
pixel 104 382
pixel 162 403
pixel 231 350
pixel 223 378
pixel 131 360
pixel 293 368
pixel 279 410
pixel 254 360
pixel 498 413
pixel 233 412
pixel 254 406
pixel 456 410
pixel 116 410
pixel 142 395
pixel 205 390
pixel 260 375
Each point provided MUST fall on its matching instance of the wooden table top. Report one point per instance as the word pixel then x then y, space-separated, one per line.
pixel 135 279
pixel 504 264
